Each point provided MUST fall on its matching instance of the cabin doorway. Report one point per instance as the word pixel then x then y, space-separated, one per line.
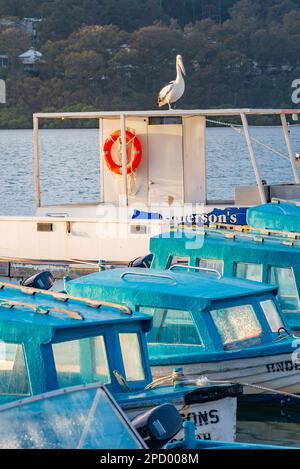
pixel 165 164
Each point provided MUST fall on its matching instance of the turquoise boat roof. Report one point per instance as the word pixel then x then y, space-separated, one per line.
pixel 201 285
pixel 281 216
pixel 177 240
pixel 20 305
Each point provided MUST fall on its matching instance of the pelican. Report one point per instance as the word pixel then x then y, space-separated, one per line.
pixel 174 89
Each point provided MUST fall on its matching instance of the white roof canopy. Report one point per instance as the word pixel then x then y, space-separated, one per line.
pixel 165 113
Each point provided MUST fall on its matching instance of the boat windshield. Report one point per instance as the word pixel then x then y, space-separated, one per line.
pixel 173 328
pixel 287 289
pixel 132 356
pixel 272 315
pixel 216 264
pixel 14 380
pixel 249 271
pixel 75 418
pixel 81 361
pixel 237 325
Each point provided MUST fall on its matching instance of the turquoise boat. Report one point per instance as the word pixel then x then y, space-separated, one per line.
pixel 50 341
pixel 230 330
pixel 263 256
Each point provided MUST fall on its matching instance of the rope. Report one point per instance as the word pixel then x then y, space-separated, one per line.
pixel 250 385
pixel 79 261
pixel 270 148
pixel 204 380
pixel 239 129
pixel 159 381
pixel 226 124
pixel 131 177
pixel 239 125
pixel 43 261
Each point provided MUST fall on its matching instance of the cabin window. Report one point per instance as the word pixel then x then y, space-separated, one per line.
pixel 13 371
pixel 249 271
pixel 181 260
pixel 236 324
pixel 81 362
pixel 287 291
pixel 272 315
pixel 172 327
pixel 132 356
pixel 216 264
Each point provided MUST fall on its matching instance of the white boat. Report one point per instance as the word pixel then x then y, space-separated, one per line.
pixel 152 174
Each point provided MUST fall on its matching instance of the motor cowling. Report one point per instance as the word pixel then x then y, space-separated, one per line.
pixel 159 425
pixel 43 281
pixel 143 262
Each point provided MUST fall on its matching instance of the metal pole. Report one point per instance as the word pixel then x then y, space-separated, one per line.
pixel 124 158
pixel 36 162
pixel 101 160
pixel 253 159
pixel 289 147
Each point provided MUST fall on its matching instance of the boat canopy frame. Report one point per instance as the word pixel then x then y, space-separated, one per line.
pixel 243 113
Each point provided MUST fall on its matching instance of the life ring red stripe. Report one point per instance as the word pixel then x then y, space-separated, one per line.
pixel 137 152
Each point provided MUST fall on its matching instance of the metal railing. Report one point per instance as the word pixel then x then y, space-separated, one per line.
pixel 149 274
pixel 205 269
pixel 64 297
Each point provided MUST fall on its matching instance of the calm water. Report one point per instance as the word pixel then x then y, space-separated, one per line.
pixel 70 173
pixel 70 165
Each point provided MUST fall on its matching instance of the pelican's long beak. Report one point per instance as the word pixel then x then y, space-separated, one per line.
pixel 180 63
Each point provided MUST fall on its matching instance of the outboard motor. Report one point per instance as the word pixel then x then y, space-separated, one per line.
pixel 158 425
pixel 43 280
pixel 143 261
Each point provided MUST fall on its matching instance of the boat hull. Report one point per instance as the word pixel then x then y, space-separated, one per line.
pixel 213 420
pixel 275 372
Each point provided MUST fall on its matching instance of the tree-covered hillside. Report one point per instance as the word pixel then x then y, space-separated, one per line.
pixel 116 54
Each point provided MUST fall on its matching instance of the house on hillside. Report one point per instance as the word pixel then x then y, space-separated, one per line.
pixel 4 61
pixel 30 26
pixel 8 22
pixel 30 58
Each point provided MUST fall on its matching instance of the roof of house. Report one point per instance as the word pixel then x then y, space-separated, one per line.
pixel 31 56
pixel 31 53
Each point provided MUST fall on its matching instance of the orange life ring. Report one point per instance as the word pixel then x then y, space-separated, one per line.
pixel 137 152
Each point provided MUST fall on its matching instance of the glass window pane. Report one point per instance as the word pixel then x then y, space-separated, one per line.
pixel 13 371
pixel 249 271
pixel 99 358
pixel 172 326
pixel 87 419
pixel 272 315
pixel 81 361
pixel 287 292
pixel 173 260
pixel 237 323
pixel 132 356
pixel 216 264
